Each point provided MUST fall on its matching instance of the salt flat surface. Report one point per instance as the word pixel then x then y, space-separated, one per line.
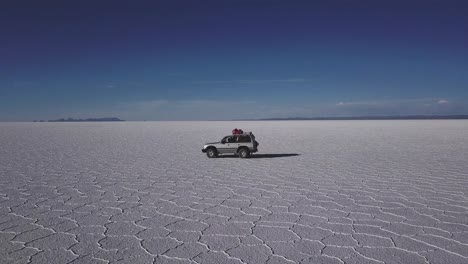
pixel 142 192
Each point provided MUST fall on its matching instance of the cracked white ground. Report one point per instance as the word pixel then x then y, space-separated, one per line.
pixel 143 192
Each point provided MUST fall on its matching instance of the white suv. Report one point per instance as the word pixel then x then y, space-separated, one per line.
pixel 240 144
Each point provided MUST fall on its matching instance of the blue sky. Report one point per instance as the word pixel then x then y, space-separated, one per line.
pixel 232 59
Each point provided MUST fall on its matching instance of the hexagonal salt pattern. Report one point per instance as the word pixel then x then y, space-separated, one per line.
pixel 142 192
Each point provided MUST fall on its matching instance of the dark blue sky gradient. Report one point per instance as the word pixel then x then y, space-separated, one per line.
pixel 110 57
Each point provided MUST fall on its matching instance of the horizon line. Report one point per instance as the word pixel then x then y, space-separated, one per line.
pixel 365 117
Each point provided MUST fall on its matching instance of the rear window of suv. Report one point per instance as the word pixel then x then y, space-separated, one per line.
pixel 244 139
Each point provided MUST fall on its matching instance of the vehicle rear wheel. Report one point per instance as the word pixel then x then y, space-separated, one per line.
pixel 244 153
pixel 212 153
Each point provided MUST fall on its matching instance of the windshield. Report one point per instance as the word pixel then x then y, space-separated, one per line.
pixel 226 139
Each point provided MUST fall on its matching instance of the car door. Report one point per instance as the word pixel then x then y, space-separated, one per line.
pixel 246 141
pixel 226 145
pixel 237 142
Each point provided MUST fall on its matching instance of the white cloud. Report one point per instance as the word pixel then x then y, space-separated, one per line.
pixel 418 106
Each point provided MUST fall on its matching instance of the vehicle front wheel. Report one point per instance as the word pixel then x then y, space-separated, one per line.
pixel 244 153
pixel 212 153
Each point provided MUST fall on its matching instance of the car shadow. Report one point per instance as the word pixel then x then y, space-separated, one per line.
pixel 269 156
pixel 263 156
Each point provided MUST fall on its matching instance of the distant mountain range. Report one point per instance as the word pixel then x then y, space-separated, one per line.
pixel 410 117
pixel 103 119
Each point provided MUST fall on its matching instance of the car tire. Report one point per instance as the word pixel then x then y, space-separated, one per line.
pixel 244 153
pixel 212 153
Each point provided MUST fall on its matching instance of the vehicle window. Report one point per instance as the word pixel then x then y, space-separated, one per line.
pixel 244 139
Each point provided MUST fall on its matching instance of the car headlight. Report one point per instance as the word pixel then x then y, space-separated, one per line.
pixel 204 147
